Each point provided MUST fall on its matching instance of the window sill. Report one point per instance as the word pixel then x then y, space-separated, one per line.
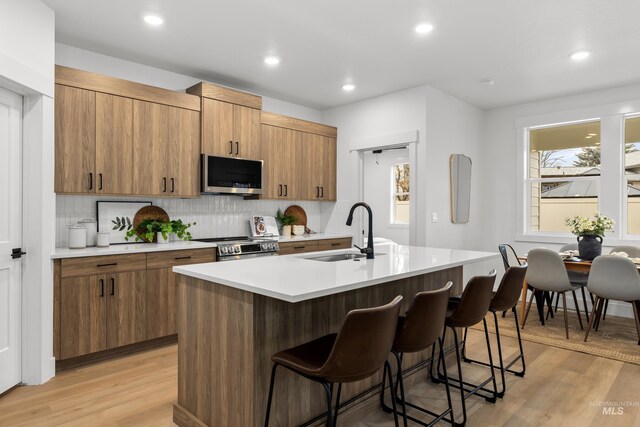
pixel 562 239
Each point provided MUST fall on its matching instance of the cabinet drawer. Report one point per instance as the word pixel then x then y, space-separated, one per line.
pixel 298 247
pixel 74 267
pixel 172 258
pixel 331 244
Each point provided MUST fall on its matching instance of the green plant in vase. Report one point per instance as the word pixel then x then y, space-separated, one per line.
pixel 286 221
pixel 148 229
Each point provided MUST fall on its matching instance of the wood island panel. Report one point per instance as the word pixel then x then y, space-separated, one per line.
pixel 227 338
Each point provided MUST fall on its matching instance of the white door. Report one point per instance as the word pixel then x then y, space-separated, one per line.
pixel 10 237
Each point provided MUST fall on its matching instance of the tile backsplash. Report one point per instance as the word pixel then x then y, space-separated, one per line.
pixel 216 216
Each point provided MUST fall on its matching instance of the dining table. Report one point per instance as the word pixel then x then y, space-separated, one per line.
pixel 571 264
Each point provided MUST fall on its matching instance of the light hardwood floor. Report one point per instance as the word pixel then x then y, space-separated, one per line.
pixel 560 388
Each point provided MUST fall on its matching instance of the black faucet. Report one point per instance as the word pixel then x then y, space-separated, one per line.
pixel 369 249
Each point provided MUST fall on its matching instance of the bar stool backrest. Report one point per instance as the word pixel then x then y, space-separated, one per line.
pixel 509 256
pixel 632 251
pixel 546 271
pixel 474 302
pixel 615 278
pixel 510 289
pixel 363 343
pixel 424 321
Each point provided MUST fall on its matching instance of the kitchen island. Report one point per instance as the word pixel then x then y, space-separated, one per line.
pixel 233 316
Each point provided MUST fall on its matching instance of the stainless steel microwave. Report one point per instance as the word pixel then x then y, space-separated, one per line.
pixel 230 175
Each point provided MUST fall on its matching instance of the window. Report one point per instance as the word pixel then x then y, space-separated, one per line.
pixel 400 193
pixel 632 172
pixel 563 174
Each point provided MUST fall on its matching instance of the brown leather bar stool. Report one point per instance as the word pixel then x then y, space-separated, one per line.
pixel 465 311
pixel 357 352
pixel 419 329
pixel 505 298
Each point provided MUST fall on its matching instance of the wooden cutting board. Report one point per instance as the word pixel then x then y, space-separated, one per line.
pixel 153 213
pixel 299 213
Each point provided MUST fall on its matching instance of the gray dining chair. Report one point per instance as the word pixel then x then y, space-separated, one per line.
pixel 547 273
pixel 633 252
pixel 577 278
pixel 616 278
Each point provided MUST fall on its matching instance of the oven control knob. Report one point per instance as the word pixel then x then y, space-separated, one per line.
pixel 236 249
pixel 275 247
pixel 223 249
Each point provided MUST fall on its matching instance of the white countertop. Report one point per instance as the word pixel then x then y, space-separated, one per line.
pixel 308 237
pixel 293 278
pixel 130 248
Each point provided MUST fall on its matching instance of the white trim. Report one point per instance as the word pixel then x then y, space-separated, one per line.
pixel 390 140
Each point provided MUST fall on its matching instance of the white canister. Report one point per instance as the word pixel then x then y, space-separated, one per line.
pixel 92 230
pixel 298 230
pixel 103 239
pixel 77 237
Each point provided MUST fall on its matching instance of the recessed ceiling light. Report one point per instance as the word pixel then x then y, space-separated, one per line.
pixel 348 87
pixel 487 82
pixel 592 134
pixel 153 20
pixel 577 56
pixel 423 28
pixel 271 60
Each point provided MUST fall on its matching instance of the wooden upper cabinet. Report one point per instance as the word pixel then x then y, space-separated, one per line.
pixel 114 144
pixel 246 132
pixel 282 169
pixel 184 153
pixel 119 137
pixel 166 143
pixel 217 128
pixel 150 148
pixel 230 130
pixel 300 156
pixel 75 133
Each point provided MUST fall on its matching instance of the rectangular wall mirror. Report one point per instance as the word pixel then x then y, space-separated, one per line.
pixel 460 188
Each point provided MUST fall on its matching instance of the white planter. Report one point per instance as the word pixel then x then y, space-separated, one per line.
pixel 161 240
pixel 286 230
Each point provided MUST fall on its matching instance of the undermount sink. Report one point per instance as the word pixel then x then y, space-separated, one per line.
pixel 338 257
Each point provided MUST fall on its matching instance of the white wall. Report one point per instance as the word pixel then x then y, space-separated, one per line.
pixel 445 125
pixel 74 57
pixel 27 67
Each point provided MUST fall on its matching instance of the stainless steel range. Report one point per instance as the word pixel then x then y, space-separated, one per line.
pixel 234 248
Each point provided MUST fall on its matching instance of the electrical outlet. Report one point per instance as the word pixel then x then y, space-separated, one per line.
pixel 434 216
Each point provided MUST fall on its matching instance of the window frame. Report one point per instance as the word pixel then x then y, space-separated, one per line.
pixel 394 194
pixel 612 173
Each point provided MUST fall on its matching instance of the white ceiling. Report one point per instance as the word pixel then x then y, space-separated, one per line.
pixel 522 44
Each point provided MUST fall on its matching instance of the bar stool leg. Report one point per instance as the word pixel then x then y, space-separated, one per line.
pixel 335 416
pixel 271 384
pixel 521 356
pixel 459 363
pixel 327 390
pixel 493 375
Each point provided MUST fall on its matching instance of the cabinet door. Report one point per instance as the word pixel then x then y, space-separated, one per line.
pixel 114 144
pixel 150 148
pixel 246 125
pixel 75 146
pixel 217 128
pixel 161 299
pixel 290 164
pixel 329 168
pixel 184 149
pixel 297 247
pixel 126 308
pixel 272 153
pixel 82 315
pixel 314 164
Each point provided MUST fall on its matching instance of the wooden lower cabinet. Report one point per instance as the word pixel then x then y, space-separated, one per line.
pixel 288 248
pixel 101 312
pixel 161 298
pixel 83 319
pixel 106 302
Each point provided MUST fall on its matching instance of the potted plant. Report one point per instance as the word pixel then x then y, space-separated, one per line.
pixel 160 231
pixel 286 221
pixel 590 233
